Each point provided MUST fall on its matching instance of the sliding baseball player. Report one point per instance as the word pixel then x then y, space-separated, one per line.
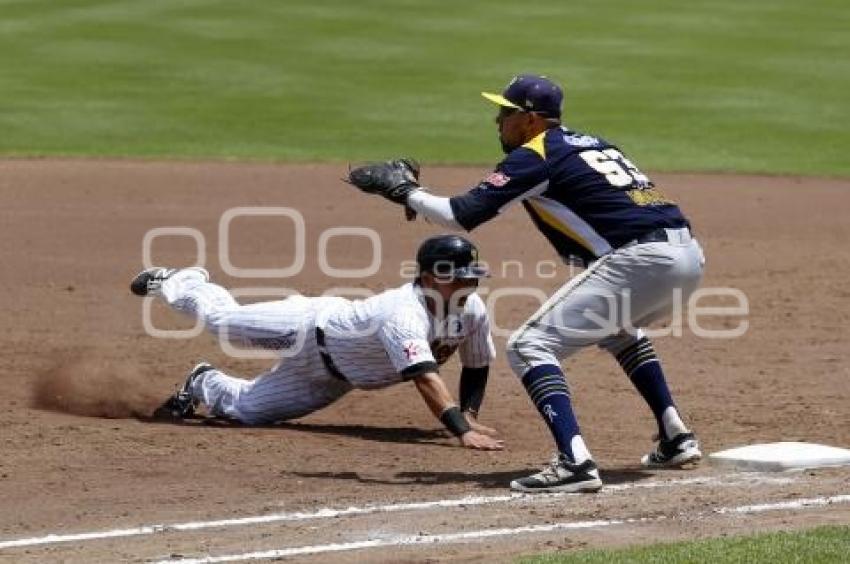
pixel 330 345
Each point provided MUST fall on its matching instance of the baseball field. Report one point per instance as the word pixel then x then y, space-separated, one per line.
pixel 118 118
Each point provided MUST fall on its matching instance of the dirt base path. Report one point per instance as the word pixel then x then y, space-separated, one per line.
pixel 77 368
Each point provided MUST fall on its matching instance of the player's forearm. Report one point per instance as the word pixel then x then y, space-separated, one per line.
pixel 441 403
pixel 435 209
pixel 435 393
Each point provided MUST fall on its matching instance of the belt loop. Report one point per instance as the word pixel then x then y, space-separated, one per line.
pixel 679 235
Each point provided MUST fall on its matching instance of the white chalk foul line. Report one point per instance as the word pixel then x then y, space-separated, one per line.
pixel 792 504
pixel 327 513
pixel 447 538
pixel 406 540
pixel 324 513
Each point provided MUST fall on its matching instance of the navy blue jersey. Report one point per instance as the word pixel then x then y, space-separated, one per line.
pixel 581 192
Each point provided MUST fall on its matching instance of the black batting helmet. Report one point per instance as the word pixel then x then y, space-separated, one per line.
pixel 450 256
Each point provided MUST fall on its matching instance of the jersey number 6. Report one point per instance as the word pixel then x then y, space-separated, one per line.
pixel 616 168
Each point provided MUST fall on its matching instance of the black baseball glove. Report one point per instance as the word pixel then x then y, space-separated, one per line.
pixel 394 180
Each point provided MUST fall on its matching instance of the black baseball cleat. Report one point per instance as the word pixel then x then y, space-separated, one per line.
pixel 148 282
pixel 560 475
pixel 182 405
pixel 673 453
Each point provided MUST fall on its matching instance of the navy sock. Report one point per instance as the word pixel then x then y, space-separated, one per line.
pixel 641 365
pixel 547 388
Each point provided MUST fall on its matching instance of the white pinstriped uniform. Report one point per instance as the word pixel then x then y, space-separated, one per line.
pixel 372 342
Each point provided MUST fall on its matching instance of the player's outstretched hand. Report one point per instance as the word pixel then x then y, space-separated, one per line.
pixel 478 427
pixel 480 441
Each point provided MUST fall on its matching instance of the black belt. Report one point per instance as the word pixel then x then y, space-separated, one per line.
pixel 655 236
pixel 326 357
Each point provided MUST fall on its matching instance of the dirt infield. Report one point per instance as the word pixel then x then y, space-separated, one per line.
pixel 77 369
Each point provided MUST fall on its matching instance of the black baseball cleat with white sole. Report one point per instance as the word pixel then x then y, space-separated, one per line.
pixel 673 453
pixel 182 405
pixel 149 281
pixel 561 476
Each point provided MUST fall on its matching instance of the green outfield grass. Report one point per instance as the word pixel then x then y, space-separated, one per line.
pixel 821 545
pixel 730 85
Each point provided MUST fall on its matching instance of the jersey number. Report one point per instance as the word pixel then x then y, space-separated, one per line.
pixel 616 168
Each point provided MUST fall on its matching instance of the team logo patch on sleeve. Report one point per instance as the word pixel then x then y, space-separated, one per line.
pixel 412 350
pixel 497 179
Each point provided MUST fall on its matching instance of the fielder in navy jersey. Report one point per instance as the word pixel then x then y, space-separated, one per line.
pixel 596 208
pixel 581 192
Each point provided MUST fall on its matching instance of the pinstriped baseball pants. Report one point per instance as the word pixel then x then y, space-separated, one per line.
pixel 296 386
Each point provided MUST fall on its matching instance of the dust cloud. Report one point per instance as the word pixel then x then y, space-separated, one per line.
pixel 83 384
